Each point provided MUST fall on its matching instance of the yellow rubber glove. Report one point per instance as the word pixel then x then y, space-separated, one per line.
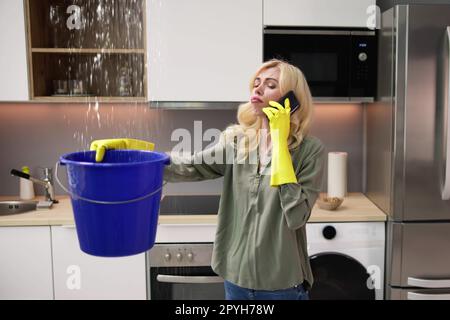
pixel 102 145
pixel 279 122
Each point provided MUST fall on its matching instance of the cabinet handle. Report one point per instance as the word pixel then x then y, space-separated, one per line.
pixel 307 32
pixel 68 226
pixel 428 296
pixel 427 283
pixel 187 279
pixel 446 179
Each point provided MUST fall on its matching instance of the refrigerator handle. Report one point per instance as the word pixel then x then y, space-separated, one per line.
pixel 446 84
pixel 427 296
pixel 427 283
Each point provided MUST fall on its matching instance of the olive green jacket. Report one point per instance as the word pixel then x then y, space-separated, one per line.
pixel 260 240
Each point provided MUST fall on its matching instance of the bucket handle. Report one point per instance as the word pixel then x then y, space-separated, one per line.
pixel 98 201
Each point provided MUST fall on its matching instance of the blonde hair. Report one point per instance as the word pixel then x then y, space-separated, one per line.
pixel 249 124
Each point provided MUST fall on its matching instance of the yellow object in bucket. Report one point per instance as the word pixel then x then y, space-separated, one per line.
pixel 100 146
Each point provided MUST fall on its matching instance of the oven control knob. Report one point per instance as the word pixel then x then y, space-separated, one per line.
pixel 167 256
pixel 179 256
pixel 362 56
pixel 190 256
pixel 329 232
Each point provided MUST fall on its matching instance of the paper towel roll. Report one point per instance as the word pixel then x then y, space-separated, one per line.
pixel 337 174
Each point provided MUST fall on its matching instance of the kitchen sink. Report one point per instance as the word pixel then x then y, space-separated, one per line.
pixel 189 204
pixel 15 207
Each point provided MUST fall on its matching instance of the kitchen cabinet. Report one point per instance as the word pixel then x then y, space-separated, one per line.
pixel 203 50
pixel 87 48
pixel 13 55
pixel 318 13
pixel 81 276
pixel 26 263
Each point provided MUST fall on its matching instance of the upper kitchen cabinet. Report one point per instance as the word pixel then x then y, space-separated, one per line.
pixel 86 48
pixel 13 56
pixel 203 50
pixel 318 13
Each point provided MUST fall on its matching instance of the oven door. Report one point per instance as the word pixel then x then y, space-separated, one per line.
pixel 182 271
pixel 185 283
pixel 322 55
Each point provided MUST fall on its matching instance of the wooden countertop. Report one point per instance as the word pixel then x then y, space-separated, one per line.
pixel 355 208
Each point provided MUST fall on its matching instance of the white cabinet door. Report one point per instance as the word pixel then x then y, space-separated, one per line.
pixel 13 56
pixel 318 13
pixel 81 276
pixel 203 50
pixel 25 263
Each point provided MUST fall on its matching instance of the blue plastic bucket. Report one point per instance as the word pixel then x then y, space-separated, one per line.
pixel 115 202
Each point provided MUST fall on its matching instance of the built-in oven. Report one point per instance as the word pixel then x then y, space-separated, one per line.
pixel 183 272
pixel 179 266
pixel 339 64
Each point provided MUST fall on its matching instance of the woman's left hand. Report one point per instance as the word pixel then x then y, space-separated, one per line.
pixel 100 146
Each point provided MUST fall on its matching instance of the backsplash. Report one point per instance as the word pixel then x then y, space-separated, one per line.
pixel 37 134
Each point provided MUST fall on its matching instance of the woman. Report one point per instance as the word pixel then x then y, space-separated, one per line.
pixel 260 246
pixel 272 177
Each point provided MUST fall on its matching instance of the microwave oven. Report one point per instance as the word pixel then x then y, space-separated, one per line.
pixel 339 65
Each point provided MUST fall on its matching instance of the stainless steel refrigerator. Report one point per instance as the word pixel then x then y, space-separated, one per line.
pixel 408 149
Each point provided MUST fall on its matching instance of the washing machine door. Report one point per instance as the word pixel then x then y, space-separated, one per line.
pixel 339 277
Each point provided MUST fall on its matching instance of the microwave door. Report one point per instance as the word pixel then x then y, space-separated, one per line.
pixel 324 59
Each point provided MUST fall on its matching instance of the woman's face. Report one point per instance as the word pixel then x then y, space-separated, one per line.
pixel 265 88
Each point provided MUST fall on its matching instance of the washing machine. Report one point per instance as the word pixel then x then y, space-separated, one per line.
pixel 347 260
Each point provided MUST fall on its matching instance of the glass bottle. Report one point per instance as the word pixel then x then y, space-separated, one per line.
pixel 124 82
pixel 56 18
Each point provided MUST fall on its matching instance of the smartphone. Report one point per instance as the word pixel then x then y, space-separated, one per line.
pixel 292 100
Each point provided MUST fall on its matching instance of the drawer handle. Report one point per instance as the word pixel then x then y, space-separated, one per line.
pixel 428 296
pixel 427 283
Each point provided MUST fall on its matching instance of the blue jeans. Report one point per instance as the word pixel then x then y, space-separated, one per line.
pixel 234 292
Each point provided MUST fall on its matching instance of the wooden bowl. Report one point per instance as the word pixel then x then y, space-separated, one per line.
pixel 329 203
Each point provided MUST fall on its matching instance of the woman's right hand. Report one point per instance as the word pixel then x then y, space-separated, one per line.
pixel 100 146
pixel 279 121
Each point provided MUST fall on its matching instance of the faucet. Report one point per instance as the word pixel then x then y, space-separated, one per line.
pixel 46 182
pixel 49 189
